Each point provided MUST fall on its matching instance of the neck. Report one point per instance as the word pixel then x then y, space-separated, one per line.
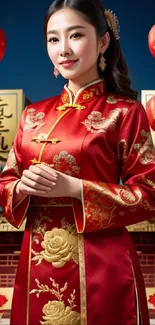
pixel 76 84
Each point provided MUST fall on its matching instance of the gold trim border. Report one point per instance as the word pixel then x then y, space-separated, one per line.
pixel 83 299
pixel 28 281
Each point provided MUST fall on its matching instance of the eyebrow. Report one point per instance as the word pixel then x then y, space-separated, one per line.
pixel 68 29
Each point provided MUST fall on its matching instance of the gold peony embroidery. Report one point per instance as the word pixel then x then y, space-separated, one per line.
pixel 12 162
pixel 145 148
pixel 95 123
pixel 60 246
pixel 33 120
pixel 56 312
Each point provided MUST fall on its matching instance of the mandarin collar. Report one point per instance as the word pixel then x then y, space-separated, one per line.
pixel 85 94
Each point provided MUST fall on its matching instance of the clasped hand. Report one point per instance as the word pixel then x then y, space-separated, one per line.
pixel 42 180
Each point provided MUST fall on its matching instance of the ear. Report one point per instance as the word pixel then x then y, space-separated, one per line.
pixel 104 42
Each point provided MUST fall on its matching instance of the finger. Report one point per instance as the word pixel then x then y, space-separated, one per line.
pixel 40 179
pixel 33 184
pixel 44 171
pixel 31 191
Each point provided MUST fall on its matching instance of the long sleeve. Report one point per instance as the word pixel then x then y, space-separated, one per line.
pixel 106 205
pixel 9 178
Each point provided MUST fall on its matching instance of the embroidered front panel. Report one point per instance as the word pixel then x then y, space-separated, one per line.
pixel 58 312
pixel 60 245
pixel 54 260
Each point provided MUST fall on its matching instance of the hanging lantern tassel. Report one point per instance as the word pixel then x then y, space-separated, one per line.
pixel 2 44
pixel 151 40
pixel 150 109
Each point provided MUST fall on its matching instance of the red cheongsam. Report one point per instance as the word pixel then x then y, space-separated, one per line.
pixel 77 264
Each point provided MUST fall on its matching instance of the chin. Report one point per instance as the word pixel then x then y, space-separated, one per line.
pixel 70 75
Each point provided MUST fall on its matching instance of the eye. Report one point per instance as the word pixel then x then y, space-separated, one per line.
pixel 76 36
pixel 52 40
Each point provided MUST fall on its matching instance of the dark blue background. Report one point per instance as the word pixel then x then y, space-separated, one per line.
pixel 26 64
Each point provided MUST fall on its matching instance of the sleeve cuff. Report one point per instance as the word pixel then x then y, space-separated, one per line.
pixel 16 215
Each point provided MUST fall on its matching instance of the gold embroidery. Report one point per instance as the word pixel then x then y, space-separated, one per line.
pixel 67 105
pixel 149 182
pixel 39 227
pixel 101 202
pixel 66 163
pixel 33 120
pixel 111 99
pixel 11 162
pixel 87 96
pixel 145 148
pixel 60 246
pixel 56 312
pixel 65 98
pixel 95 123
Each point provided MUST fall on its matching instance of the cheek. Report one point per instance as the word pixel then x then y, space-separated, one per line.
pixel 86 49
pixel 52 52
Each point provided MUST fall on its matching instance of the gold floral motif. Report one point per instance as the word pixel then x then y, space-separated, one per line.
pixel 65 98
pixel 95 123
pixel 56 312
pixel 145 148
pixel 12 162
pixel 60 246
pixel 87 96
pixel 66 163
pixel 33 120
pixel 95 91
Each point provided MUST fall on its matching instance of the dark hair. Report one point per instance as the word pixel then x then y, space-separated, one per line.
pixel 116 72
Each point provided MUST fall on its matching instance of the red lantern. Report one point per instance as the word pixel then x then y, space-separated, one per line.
pixel 2 44
pixel 150 109
pixel 151 40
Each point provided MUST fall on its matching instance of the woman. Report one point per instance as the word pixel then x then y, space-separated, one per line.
pixel 81 169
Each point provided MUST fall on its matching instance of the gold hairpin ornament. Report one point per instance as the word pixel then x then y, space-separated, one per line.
pixel 112 22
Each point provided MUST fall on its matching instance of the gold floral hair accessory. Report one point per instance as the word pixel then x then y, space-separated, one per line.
pixel 112 22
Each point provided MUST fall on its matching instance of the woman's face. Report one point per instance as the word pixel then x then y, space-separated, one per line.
pixel 73 46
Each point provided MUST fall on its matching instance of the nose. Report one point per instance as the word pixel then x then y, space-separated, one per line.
pixel 65 49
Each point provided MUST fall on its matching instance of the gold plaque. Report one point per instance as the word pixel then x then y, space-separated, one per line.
pixel 12 103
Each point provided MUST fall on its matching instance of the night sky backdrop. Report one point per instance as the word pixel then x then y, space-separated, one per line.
pixel 27 66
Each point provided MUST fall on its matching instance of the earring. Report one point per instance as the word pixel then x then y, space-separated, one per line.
pixel 56 73
pixel 102 63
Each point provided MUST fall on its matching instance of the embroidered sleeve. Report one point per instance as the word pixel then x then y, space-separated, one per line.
pixel 8 180
pixel 133 200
